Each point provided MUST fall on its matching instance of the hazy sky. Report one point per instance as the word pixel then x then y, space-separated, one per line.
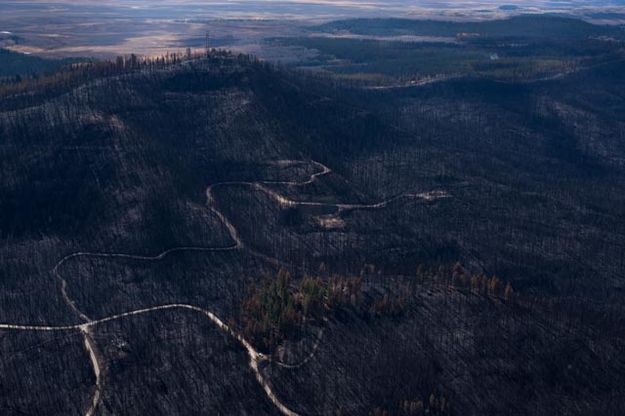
pixel 312 8
pixel 93 27
pixel 300 9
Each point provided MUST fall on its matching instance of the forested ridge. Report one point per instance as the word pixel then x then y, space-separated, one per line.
pixel 455 248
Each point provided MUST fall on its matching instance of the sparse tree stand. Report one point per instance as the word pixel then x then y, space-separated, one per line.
pixel 207 48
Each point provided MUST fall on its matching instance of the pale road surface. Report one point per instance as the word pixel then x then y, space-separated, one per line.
pixel 309 357
pixel 255 356
pixel 95 363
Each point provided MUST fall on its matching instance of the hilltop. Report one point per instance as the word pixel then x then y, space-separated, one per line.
pixel 220 235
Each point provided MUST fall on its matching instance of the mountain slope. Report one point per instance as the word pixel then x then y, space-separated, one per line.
pixel 129 193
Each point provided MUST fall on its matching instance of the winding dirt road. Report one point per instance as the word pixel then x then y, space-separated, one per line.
pixel 256 357
pixel 306 359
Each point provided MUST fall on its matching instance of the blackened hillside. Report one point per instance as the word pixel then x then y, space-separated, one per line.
pixel 465 241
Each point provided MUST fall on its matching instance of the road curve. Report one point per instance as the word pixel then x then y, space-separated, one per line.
pixel 255 356
pixel 285 201
pixel 306 359
pixel 85 329
pixel 237 243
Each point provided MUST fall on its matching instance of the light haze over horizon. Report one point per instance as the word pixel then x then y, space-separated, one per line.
pixel 110 27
